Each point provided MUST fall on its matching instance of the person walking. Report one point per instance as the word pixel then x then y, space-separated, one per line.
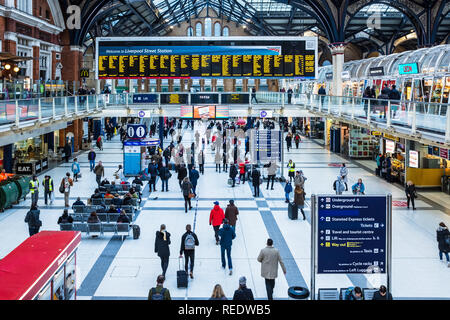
pixel 231 213
pixel 339 185
pixel 66 183
pixel 34 189
pixel 32 218
pixel 299 199
pixel 197 137
pixel 162 243
pixel 91 157
pixel 189 241
pixel 443 239
pixel 287 190
pixel 225 161
pixel 75 169
pixel 254 95
pixel 165 175
pixel 288 141
pixel 243 293
pixel 289 94
pixel 153 172
pixel 344 173
pixel 159 292
pixel 269 257
pixel 233 173
pixel 226 234
pixel 218 293
pixel 256 181
pixel 186 188
pixel 297 140
pixel 271 172
pixel 201 162
pixel 182 173
pixel 291 170
pixel 99 143
pixel 411 194
pixel 194 175
pixel 216 217
pixel 67 151
pixel 218 159
pixel 48 189
pixel 99 171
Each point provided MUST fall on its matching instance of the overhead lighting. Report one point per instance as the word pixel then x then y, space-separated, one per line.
pixel 16 69
pixel 7 66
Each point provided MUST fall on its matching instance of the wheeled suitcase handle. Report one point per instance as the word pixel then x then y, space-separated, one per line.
pixel 179 266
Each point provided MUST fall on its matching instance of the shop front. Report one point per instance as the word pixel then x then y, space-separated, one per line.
pixel 31 156
pixel 363 143
pixel 395 148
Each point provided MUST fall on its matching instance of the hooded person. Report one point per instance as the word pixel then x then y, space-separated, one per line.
pixel 227 235
pixel 339 185
pixel 442 237
pixel 216 218
pixel 231 213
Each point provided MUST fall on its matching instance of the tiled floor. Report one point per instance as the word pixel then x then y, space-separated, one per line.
pixel 112 269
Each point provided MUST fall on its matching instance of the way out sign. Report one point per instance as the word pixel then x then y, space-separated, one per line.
pixel 136 131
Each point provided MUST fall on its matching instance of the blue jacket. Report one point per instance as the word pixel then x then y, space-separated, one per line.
pixel 193 176
pixel 288 187
pixel 152 170
pixel 226 234
pixel 75 167
pixel 361 187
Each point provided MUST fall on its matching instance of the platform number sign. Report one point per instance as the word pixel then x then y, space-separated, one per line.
pixel 136 131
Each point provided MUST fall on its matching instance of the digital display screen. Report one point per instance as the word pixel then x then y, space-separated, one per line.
pixel 146 58
pixel 204 112
pixel 186 112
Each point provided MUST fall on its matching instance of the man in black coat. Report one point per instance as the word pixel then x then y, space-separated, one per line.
pixel 233 173
pixel 189 241
pixel 243 293
pixel 382 294
pixel 256 176
pixel 67 151
pixel 182 173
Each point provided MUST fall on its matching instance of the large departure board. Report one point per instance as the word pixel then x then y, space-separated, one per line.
pixel 185 57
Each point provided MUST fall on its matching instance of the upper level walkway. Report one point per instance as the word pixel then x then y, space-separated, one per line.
pixel 429 122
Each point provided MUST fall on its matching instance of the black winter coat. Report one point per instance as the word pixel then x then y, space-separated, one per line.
pixel 441 234
pixel 182 173
pixel 243 294
pixel 233 171
pixel 161 246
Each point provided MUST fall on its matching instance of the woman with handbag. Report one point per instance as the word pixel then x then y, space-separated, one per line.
pixel 186 188
pixel 411 193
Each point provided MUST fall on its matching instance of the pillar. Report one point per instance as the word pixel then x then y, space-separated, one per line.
pixel 113 86
pixel 51 140
pixel 337 52
pixel 161 132
pixel 62 137
pixel 76 134
pixel 97 128
pixel 8 158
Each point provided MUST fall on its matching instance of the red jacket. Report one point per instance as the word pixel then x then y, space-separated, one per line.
pixel 241 168
pixel 217 215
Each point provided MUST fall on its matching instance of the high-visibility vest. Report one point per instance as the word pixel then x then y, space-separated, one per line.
pixel 50 181
pixel 291 167
pixel 34 185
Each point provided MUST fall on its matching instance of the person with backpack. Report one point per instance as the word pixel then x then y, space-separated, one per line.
pixel 411 194
pixel 226 234
pixel 75 169
pixel 353 293
pixel 216 217
pixel 32 218
pixel 194 175
pixel 188 242
pixel 159 292
pixel 66 183
pixel 443 239
pixel 231 213
pixel 287 190
pixel 243 293
pixel 165 175
pixel 297 140
pixel 162 242
pixel 256 177
pixel 65 218
pixel 339 185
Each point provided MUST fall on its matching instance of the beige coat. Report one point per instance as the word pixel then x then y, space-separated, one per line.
pixel 269 258
pixel 218 158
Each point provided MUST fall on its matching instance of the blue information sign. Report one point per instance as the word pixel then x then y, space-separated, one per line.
pixel 352 233
pixel 136 131
pixel 145 98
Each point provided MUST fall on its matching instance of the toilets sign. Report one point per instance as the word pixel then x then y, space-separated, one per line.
pixel 351 234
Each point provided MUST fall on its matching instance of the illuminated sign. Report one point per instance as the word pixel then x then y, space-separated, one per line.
pixel 408 68
pixel 390 146
pixel 413 159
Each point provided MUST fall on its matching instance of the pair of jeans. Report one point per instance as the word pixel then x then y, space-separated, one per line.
pixel 242 177
pixel 256 188
pixel 216 232
pixel 222 254
pixel 165 183
pixel 98 178
pixel 164 264
pixel 47 195
pixel 408 199
pixel 34 198
pixel 152 182
pixel 287 196
pixel 187 201
pixel 194 186
pixel 202 168
pixel 91 165
pixel 189 255
pixel 446 255
pixel 272 176
pixel 270 284
pixel 33 230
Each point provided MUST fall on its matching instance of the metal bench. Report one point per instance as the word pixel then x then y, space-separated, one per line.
pixel 94 229
pixel 328 294
pixel 80 226
pixel 368 293
pixel 78 208
pixel 103 217
pixel 97 201
pixel 123 230
pixel 66 226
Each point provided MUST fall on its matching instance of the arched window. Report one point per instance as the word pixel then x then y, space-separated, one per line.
pixel 208 27
pixel 190 32
pixel 198 29
pixel 226 32
pixel 217 29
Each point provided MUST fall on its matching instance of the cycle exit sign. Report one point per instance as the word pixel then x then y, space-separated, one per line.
pixel 408 68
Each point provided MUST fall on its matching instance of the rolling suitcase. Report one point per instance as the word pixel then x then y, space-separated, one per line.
pixel 136 231
pixel 182 277
pixel 292 211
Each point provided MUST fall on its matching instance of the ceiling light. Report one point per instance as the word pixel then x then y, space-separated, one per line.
pixel 16 69
pixel 7 66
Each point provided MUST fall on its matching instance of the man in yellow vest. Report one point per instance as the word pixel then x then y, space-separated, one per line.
pixel 291 166
pixel 34 189
pixel 48 189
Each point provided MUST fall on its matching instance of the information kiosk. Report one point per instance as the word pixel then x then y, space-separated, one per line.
pixel 43 267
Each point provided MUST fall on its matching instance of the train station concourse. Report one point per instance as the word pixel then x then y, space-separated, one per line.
pixel 225 150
